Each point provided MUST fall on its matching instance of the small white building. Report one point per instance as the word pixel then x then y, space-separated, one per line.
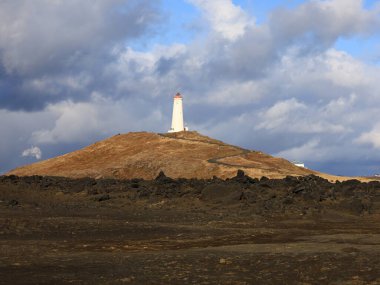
pixel 177 118
pixel 299 164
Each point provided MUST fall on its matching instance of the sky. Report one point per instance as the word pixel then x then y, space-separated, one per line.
pixel 295 79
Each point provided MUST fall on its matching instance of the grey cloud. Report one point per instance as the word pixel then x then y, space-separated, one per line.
pixel 320 23
pixel 45 41
pixel 41 34
pixel 246 58
pixel 164 65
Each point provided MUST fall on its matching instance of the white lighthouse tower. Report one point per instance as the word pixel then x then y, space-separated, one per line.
pixel 177 119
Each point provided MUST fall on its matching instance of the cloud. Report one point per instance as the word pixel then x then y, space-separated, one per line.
pixel 101 117
pixel 295 117
pixel 307 24
pixel 51 51
pixel 279 113
pixel 370 138
pixel 226 19
pixel 309 150
pixel 29 40
pixel 33 151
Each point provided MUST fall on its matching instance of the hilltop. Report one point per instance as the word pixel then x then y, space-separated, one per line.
pixel 144 155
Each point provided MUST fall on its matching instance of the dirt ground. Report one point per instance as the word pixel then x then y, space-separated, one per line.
pixel 54 231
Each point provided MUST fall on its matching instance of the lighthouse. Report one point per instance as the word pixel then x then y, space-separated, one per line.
pixel 177 119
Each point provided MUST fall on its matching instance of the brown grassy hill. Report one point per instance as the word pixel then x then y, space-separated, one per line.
pixel 143 155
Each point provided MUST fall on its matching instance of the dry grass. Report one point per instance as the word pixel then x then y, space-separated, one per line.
pixel 143 155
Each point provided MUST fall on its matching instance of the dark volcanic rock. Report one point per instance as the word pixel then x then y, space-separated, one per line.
pixel 291 195
pixel 103 198
pixel 297 230
pixel 161 177
pixel 242 178
pixel 222 193
pixel 13 203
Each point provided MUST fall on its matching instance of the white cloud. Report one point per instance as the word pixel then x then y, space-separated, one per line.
pixel 332 66
pixel 277 115
pixel 74 123
pixel 340 105
pixel 235 93
pixel 226 19
pixel 343 70
pixel 370 138
pixel 33 151
pixel 101 117
pixel 307 151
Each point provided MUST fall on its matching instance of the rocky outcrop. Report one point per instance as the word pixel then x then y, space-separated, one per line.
pixel 306 195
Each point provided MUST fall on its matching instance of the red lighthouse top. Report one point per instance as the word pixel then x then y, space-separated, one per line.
pixel 178 96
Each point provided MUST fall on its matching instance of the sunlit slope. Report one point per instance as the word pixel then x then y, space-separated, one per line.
pixel 143 155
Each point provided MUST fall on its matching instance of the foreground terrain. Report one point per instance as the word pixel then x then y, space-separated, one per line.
pixel 302 230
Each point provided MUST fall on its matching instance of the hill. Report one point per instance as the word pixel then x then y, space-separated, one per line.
pixel 144 155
